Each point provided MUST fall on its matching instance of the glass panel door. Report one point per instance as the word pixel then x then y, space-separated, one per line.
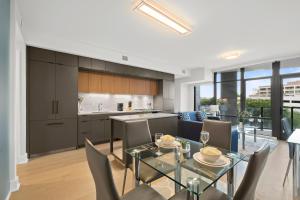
pixel 258 104
pixel 291 100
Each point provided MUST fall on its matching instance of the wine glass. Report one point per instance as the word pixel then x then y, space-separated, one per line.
pixel 158 141
pixel 204 137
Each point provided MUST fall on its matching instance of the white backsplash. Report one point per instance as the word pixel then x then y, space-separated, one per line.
pixel 109 101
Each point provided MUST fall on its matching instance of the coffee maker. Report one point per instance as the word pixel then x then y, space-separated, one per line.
pixel 120 107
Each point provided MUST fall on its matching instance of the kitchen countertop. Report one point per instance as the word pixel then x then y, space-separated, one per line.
pixel 142 116
pixel 117 112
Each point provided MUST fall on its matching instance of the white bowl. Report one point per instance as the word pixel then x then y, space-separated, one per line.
pixel 212 155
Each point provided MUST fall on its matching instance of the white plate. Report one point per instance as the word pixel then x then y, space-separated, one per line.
pixel 170 146
pixel 221 162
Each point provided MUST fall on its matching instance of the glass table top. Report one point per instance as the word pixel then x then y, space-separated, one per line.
pixel 181 167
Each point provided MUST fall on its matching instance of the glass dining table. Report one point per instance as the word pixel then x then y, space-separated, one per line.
pixel 180 167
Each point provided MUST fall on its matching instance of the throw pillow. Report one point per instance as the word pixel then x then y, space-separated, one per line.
pixel 180 115
pixel 198 116
pixel 186 116
pixel 201 115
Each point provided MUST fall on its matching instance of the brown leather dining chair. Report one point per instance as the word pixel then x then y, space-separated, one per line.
pixel 246 190
pixel 105 187
pixel 219 133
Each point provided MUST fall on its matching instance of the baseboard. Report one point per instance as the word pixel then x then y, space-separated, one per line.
pixel 8 196
pixel 23 159
pixel 14 184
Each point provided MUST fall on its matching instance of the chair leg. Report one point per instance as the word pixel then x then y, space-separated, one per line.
pixel 124 181
pixel 287 171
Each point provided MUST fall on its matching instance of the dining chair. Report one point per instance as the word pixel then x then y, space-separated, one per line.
pixel 137 133
pixel 246 190
pixel 219 133
pixel 287 131
pixel 105 186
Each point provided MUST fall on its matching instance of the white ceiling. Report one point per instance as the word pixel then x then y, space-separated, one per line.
pixel 262 29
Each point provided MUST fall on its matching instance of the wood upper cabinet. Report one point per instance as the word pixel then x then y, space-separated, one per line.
pixel 95 82
pixel 137 86
pixel 83 82
pixel 153 88
pixel 107 83
pixel 121 85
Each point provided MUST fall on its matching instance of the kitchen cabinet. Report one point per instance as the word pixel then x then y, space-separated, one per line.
pixel 107 129
pixel 107 83
pixel 66 59
pixel 98 65
pixel 121 85
pixel 98 131
pixel 52 105
pixel 38 54
pixel 95 82
pixel 137 86
pixel 153 88
pixel 84 62
pixel 41 90
pixel 83 82
pixel 66 92
pixel 50 135
pixel 52 91
pixel 93 127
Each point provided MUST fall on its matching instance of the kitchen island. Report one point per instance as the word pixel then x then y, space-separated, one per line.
pixel 158 123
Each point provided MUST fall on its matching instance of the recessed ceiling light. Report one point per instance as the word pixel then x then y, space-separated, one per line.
pixel 157 12
pixel 231 55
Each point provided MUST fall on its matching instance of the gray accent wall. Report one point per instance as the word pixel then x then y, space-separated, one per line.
pixel 4 93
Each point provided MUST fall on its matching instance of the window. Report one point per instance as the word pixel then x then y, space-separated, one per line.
pixel 207 100
pixel 290 66
pixel 258 71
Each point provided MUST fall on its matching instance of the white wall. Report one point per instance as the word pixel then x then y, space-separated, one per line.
pixel 17 97
pixel 184 88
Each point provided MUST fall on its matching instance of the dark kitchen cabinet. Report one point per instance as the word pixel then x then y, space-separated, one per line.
pixel 94 128
pixel 41 90
pixel 66 91
pixel 98 131
pixel 66 59
pixel 84 62
pixel 98 65
pixel 50 135
pixel 52 101
pixel 107 129
pixel 84 129
pixel 44 55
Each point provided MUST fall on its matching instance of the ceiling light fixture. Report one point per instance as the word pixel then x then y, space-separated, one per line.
pixel 160 14
pixel 231 55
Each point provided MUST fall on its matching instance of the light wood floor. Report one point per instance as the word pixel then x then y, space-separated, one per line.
pixel 66 176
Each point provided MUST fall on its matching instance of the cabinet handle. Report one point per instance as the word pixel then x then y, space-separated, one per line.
pixel 55 123
pixel 84 133
pixel 84 121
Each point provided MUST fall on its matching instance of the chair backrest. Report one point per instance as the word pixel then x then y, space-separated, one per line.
pixel 219 133
pixel 257 161
pixel 101 171
pixel 287 131
pixel 136 133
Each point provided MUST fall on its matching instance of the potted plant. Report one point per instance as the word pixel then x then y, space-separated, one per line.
pixel 242 116
pixel 222 105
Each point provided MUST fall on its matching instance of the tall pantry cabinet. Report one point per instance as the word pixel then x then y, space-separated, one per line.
pixel 52 100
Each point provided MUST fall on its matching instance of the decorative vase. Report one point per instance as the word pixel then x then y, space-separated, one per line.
pixel 241 127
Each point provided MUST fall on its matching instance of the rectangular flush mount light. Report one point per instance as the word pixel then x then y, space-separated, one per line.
pixel 156 11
